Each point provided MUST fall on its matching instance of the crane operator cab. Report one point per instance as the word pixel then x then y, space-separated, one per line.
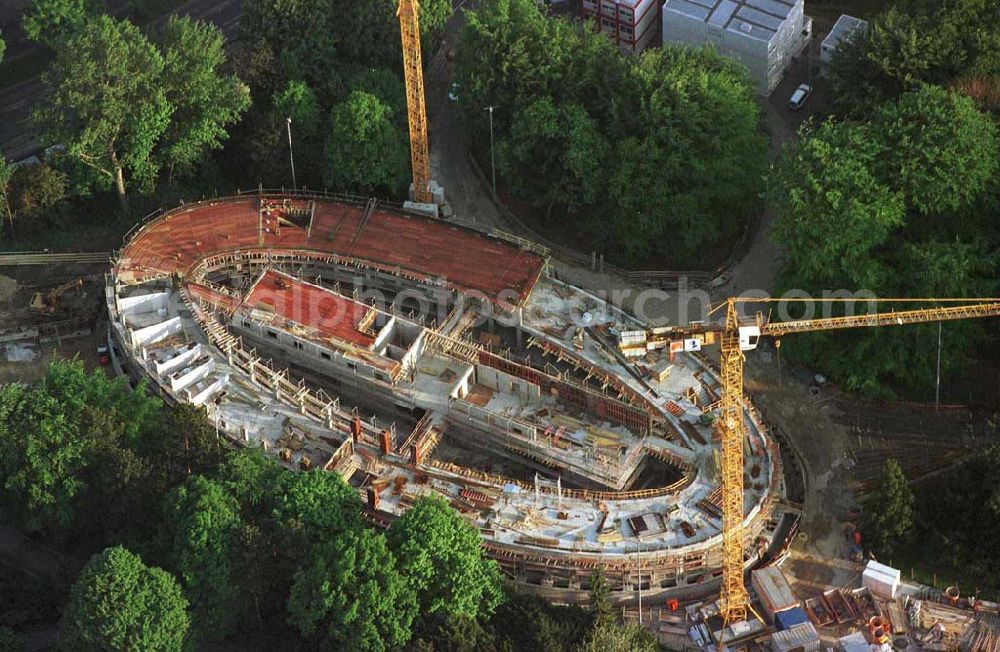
pixel 749 336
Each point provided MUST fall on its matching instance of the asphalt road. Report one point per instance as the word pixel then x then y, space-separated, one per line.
pixel 18 137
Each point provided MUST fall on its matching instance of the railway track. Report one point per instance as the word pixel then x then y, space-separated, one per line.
pixel 87 258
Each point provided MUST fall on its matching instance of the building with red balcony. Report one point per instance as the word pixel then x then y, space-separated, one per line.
pixel 631 24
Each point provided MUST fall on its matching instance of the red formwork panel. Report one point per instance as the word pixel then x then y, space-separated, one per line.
pixel 424 247
pixel 332 315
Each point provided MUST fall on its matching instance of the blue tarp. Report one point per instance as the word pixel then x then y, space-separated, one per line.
pixel 790 618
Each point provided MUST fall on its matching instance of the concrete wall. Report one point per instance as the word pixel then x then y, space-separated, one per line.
pixel 502 382
pixel 156 332
pixel 143 303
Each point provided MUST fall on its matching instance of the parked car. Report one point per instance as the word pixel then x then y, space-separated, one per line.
pixel 453 91
pixel 799 97
pixel 103 356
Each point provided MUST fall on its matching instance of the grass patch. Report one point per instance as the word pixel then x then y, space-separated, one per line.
pixel 26 67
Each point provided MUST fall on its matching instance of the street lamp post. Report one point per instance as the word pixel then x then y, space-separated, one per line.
pixel 291 156
pixel 638 560
pixel 493 165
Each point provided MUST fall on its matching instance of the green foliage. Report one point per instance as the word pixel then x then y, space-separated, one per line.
pixel 106 102
pixel 365 149
pixel 939 148
pixel 442 558
pixel 655 153
pixel 298 102
pixel 351 594
pixel 40 459
pixel 251 477
pixel 10 641
pixel 118 603
pixel 385 85
pixel 565 140
pixel 959 513
pixel 315 505
pixel 602 612
pixel 204 100
pixel 897 206
pixel 528 622
pixel 833 209
pixel 203 522
pixel 52 22
pixel 434 15
pixel 61 447
pixel 124 108
pixel 915 42
pixel 617 638
pixel 3 47
pixel 889 510
pixel 36 189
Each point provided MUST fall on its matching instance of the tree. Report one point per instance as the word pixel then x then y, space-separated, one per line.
pixel 52 22
pixel 7 170
pixel 914 42
pixel 618 638
pixel 351 595
pixel 889 509
pixel 384 84
pixel 300 36
pixel 832 209
pixel 251 476
pixel 365 150
pixel 554 154
pixel 41 458
pixel 938 147
pixel 35 189
pixel 107 103
pixel 203 522
pixel 123 108
pixel 61 446
pixel 3 47
pixel 601 609
pixel 314 506
pixel 654 155
pixel 529 622
pixel 188 443
pixel 118 603
pixel 204 100
pixel 441 556
pixel 298 102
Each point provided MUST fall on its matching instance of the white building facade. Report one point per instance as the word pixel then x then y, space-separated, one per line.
pixel 763 35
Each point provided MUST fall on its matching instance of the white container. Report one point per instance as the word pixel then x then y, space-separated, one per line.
pixel 772 590
pixel 881 580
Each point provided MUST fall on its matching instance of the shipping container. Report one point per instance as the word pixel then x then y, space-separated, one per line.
pixel 801 638
pixel 789 618
pixel 881 580
pixel 772 591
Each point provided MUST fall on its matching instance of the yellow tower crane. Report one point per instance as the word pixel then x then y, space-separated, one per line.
pixel 736 335
pixel 409 28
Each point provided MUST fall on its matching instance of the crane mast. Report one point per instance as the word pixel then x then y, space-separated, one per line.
pixel 409 28
pixel 735 599
pixel 735 337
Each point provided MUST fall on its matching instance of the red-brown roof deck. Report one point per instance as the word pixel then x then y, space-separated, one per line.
pixel 330 315
pixel 392 241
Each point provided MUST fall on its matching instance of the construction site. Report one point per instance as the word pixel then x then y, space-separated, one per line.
pixel 415 357
pixel 252 306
